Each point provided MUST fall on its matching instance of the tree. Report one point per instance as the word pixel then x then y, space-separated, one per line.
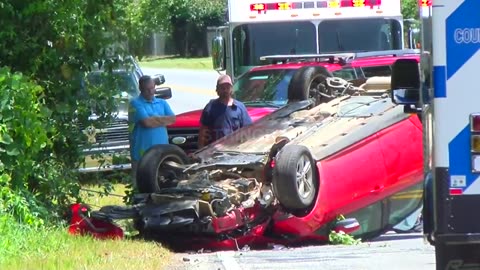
pixel 188 20
pixel 46 48
pixel 410 9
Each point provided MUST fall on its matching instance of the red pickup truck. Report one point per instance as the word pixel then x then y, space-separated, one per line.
pixel 264 89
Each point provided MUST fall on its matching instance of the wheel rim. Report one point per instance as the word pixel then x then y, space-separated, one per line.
pixel 315 85
pixel 161 172
pixel 304 175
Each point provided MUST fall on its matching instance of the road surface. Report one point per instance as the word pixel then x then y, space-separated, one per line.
pixel 390 251
pixel 191 89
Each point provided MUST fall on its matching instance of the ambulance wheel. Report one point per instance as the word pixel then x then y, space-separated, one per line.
pixel 307 83
pixel 152 173
pixel 295 180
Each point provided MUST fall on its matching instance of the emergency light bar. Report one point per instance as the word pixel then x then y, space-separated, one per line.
pixel 343 57
pixel 425 3
pixel 259 7
pixel 241 11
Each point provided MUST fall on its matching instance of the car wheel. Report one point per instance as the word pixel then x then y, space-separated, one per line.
pixel 307 83
pixel 152 174
pixel 295 181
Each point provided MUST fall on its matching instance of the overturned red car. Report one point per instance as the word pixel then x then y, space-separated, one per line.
pixel 263 89
pixel 287 178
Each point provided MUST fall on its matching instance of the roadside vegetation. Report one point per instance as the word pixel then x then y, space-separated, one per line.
pixel 198 63
pixel 25 247
pixel 341 238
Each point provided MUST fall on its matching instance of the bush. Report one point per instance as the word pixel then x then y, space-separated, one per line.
pixel 24 136
pixel 53 44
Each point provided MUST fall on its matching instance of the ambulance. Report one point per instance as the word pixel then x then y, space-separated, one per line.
pixel 443 91
pixel 258 28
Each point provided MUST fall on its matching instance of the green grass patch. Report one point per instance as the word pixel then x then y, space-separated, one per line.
pixel 53 248
pixel 204 63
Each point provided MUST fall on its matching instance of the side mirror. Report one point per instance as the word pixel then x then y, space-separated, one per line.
pixel 218 53
pixel 163 93
pixel 158 79
pixel 405 82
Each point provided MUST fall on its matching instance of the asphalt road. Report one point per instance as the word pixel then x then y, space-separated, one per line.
pixel 192 90
pixel 391 251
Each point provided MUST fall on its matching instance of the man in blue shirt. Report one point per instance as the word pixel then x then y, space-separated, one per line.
pixel 148 118
pixel 223 115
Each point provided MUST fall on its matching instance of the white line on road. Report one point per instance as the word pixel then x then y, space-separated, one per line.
pixel 228 261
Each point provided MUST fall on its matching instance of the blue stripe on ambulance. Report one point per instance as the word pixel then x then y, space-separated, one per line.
pixel 440 81
pixel 462 42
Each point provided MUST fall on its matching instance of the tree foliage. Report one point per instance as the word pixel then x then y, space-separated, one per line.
pixel 46 49
pixel 188 20
pixel 48 46
pixel 410 9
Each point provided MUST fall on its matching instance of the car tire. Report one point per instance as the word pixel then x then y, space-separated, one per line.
pixel 295 180
pixel 307 83
pixel 151 177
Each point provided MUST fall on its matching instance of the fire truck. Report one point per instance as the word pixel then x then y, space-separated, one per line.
pixel 443 91
pixel 257 28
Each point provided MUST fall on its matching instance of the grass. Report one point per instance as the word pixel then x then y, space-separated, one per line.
pixel 53 248
pixel 204 63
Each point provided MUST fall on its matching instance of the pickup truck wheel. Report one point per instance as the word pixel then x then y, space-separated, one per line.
pixel 295 180
pixel 307 83
pixel 152 175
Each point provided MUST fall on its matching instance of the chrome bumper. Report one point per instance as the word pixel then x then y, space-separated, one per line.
pixel 108 152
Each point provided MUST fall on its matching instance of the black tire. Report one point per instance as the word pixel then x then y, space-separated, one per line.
pixel 150 167
pixel 285 181
pixel 306 83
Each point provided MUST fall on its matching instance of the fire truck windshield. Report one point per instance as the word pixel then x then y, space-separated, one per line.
pixel 253 40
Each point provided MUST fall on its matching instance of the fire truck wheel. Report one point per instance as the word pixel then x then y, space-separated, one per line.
pixel 152 173
pixel 295 180
pixel 307 83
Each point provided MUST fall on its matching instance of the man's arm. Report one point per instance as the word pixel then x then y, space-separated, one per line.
pixel 157 121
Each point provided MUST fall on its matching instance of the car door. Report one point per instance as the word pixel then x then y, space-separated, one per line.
pixel 359 172
pixel 354 179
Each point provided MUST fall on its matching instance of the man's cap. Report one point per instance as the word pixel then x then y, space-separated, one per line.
pixel 224 79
